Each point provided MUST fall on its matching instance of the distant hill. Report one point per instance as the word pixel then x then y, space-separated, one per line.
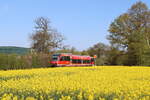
pixel 14 50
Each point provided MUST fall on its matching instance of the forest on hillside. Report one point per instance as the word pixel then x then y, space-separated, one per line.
pixel 14 50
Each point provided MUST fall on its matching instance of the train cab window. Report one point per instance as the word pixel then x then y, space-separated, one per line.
pixel 54 59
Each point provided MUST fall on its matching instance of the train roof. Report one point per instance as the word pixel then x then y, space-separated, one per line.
pixel 75 56
pixel 70 54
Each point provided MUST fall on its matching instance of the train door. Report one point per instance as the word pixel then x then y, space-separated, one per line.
pixel 92 61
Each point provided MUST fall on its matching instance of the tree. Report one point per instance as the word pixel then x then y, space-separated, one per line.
pixel 131 32
pixel 100 50
pixel 68 49
pixel 116 56
pixel 45 39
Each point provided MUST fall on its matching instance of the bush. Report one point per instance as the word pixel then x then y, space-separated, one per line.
pixel 13 61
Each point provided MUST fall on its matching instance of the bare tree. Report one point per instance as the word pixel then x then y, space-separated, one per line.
pixel 44 38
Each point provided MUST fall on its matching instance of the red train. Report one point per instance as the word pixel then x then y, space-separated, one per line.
pixel 67 59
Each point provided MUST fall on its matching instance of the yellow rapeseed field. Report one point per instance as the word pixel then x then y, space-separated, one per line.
pixel 76 83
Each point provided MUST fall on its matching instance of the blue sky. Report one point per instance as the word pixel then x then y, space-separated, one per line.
pixel 82 22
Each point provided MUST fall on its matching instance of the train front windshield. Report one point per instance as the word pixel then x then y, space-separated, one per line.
pixel 55 57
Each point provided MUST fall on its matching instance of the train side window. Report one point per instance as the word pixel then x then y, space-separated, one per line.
pixel 86 61
pixel 79 61
pixel 76 60
pixel 89 61
pixel 73 61
pixel 67 58
pixel 83 61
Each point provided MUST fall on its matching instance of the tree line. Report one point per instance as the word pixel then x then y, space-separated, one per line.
pixel 129 37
